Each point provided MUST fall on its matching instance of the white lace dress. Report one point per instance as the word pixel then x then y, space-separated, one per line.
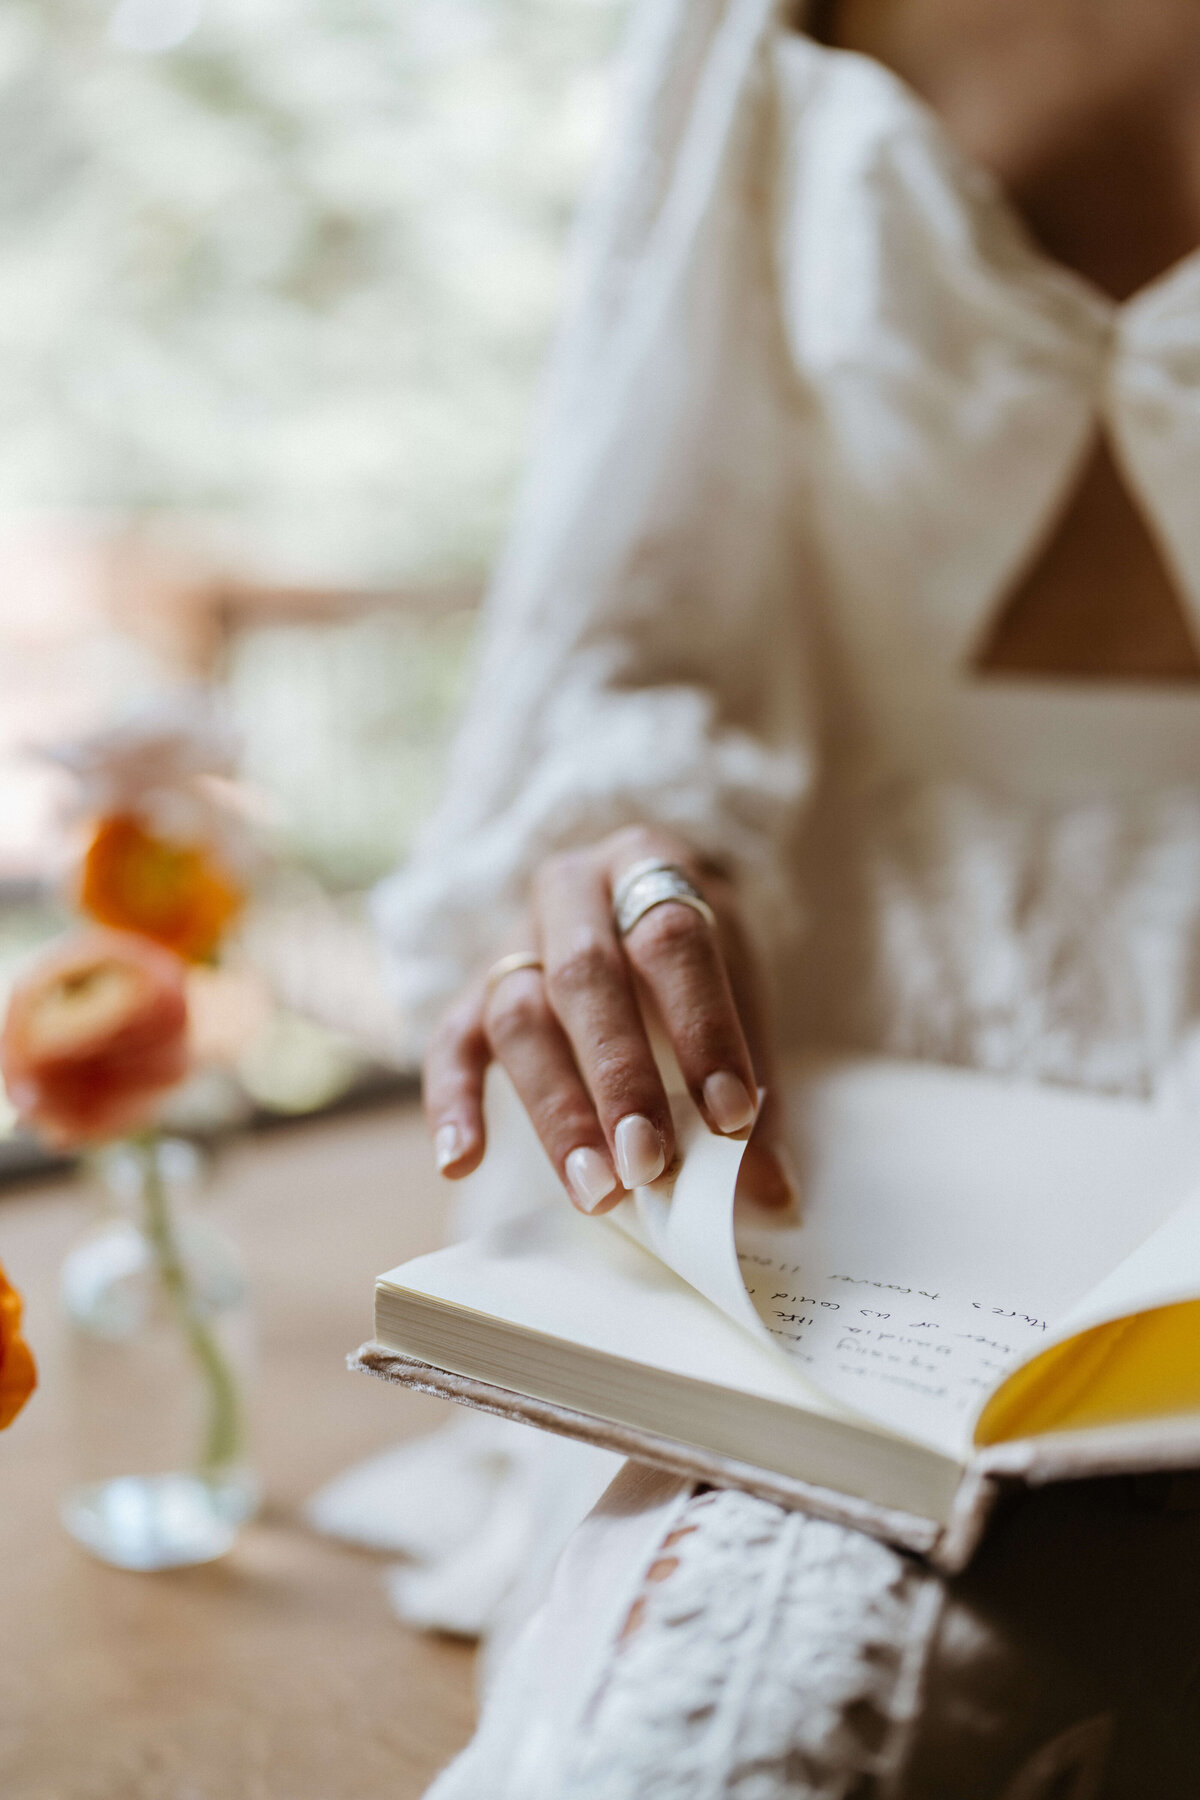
pixel 819 403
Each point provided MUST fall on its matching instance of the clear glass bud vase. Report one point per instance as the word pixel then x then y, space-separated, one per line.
pixel 160 1341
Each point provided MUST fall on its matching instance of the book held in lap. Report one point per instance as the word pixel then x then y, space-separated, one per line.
pixel 992 1281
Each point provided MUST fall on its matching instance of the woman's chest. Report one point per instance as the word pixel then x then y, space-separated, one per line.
pixel 1087 116
pixel 985 426
pixel 1089 120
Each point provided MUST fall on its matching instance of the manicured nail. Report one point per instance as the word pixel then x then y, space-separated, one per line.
pixel 590 1177
pixel 729 1105
pixel 640 1155
pixel 447 1146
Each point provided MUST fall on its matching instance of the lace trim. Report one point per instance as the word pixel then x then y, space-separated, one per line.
pixel 1057 943
pixel 769 1665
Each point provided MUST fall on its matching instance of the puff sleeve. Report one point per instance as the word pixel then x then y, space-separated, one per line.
pixel 641 654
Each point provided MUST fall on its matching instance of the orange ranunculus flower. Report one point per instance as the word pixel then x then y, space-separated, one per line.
pixel 177 894
pixel 96 1032
pixel 18 1371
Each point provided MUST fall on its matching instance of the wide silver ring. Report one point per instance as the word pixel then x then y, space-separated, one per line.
pixel 508 965
pixel 652 883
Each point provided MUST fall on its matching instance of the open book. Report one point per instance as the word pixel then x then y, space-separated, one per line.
pixel 991 1281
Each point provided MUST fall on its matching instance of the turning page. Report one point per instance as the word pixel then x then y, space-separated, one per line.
pixel 952 1222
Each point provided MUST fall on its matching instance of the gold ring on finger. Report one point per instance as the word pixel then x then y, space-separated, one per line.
pixel 508 965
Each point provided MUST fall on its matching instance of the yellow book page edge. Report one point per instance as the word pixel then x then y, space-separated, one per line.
pixel 1140 1367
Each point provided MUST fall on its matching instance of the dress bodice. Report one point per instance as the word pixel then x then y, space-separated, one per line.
pixel 953 378
pixel 818 402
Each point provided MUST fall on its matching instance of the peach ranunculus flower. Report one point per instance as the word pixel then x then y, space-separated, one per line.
pixel 18 1371
pixel 169 848
pixel 177 894
pixel 96 1032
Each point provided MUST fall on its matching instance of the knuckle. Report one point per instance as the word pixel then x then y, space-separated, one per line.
pixel 449 1092
pixel 669 932
pixel 636 841
pixel 587 962
pixel 446 1075
pixel 445 1047
pixel 515 1011
pixel 564 1120
pixel 563 866
pixel 710 1042
pixel 617 1075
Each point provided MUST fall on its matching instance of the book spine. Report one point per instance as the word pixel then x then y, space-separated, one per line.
pixel 907 1531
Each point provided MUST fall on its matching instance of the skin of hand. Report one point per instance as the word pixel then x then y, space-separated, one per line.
pixel 572 1038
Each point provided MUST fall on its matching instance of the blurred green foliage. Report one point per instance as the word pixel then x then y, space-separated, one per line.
pixel 283 283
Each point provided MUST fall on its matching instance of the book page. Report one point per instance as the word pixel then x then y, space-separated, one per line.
pixel 951 1222
pixel 1126 1351
pixel 523 1306
pixel 559 1274
pixel 687 1221
pixel 923 1360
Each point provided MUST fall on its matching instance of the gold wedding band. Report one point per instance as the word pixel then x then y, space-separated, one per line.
pixel 508 965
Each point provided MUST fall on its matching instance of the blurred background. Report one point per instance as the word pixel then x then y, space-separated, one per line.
pixel 276 278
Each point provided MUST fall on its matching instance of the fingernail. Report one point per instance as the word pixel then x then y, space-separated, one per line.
pixel 639 1151
pixel 730 1106
pixel 447 1146
pixel 590 1177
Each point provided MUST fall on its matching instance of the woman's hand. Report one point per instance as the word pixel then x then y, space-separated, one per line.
pixel 571 1038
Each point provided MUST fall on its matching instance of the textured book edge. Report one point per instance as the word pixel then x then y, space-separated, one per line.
pixel 906 1530
pixel 1162 1447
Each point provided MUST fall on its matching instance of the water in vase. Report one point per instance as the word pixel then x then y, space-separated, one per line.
pixel 158 1318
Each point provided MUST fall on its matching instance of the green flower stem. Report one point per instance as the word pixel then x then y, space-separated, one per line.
pixel 223 1438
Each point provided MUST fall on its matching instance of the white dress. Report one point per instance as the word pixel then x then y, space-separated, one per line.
pixel 819 403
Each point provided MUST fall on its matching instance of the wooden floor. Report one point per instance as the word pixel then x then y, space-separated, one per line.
pixel 278 1673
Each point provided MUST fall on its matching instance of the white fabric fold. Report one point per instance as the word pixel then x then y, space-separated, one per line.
pixel 479 1510
pixel 531 1720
